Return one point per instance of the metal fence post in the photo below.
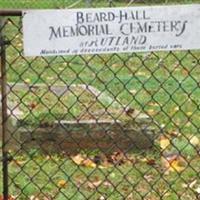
(4, 109)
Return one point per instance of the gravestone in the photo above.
(109, 129)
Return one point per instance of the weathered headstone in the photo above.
(108, 129)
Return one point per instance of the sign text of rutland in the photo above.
(91, 31)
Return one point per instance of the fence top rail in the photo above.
(10, 12)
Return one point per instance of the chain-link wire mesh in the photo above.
(117, 126)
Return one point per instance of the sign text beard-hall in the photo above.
(96, 24)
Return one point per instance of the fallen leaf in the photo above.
(143, 160)
(115, 65)
(48, 157)
(96, 183)
(130, 197)
(149, 177)
(153, 104)
(173, 162)
(19, 44)
(107, 184)
(130, 112)
(174, 134)
(27, 80)
(151, 162)
(93, 185)
(78, 159)
(190, 184)
(164, 142)
(133, 91)
(102, 161)
(117, 158)
(102, 198)
(198, 189)
(112, 175)
(19, 162)
(32, 105)
(189, 114)
(32, 197)
(141, 73)
(188, 124)
(65, 64)
(88, 163)
(10, 197)
(62, 183)
(50, 77)
(185, 72)
(151, 112)
(176, 108)
(194, 141)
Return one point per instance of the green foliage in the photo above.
(86, 3)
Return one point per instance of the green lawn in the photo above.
(164, 85)
(40, 176)
(83, 3)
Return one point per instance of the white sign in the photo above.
(111, 30)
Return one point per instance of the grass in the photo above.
(139, 180)
(82, 3)
(164, 85)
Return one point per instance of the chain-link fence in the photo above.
(116, 126)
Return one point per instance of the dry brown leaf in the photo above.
(130, 197)
(174, 134)
(96, 182)
(32, 105)
(93, 184)
(173, 162)
(80, 160)
(102, 161)
(185, 72)
(151, 162)
(11, 197)
(62, 183)
(117, 158)
(88, 163)
(19, 162)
